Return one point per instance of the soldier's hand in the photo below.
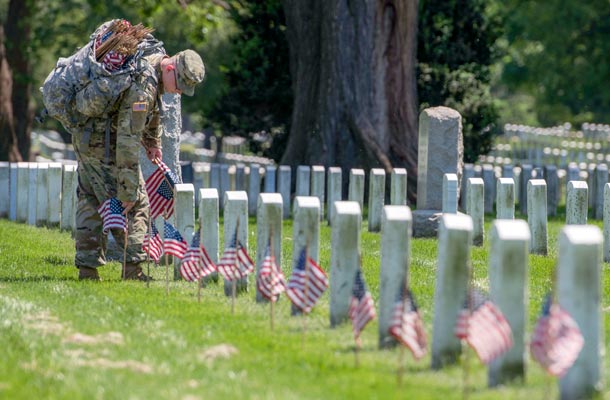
(154, 154)
(127, 205)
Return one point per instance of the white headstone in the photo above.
(208, 224)
(270, 172)
(376, 198)
(440, 150)
(607, 222)
(12, 209)
(334, 192)
(208, 221)
(452, 275)
(22, 191)
(601, 178)
(398, 187)
(317, 185)
(579, 292)
(206, 171)
(475, 192)
(468, 173)
(32, 192)
(283, 186)
(396, 231)
(508, 277)
(356, 186)
(268, 231)
(450, 193)
(303, 180)
(54, 192)
(306, 227)
(505, 198)
(537, 216)
(254, 188)
(577, 203)
(42, 197)
(345, 258)
(5, 173)
(489, 178)
(526, 175)
(185, 216)
(305, 231)
(69, 184)
(236, 210)
(552, 182)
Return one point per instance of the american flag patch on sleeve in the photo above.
(139, 106)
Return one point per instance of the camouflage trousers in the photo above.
(96, 183)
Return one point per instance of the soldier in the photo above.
(108, 162)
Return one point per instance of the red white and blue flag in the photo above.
(196, 263)
(173, 243)
(160, 189)
(153, 244)
(235, 262)
(483, 326)
(271, 282)
(111, 212)
(557, 340)
(305, 288)
(362, 307)
(407, 326)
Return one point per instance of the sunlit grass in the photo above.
(62, 338)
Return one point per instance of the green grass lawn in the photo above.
(62, 338)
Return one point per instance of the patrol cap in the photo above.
(189, 71)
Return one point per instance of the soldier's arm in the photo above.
(134, 110)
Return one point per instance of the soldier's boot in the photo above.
(88, 274)
(134, 272)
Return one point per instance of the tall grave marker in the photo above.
(441, 151)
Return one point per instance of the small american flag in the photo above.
(557, 341)
(484, 327)
(196, 263)
(271, 282)
(235, 262)
(362, 307)
(160, 189)
(407, 325)
(314, 284)
(111, 212)
(153, 245)
(173, 243)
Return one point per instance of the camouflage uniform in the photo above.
(108, 154)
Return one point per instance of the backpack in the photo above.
(80, 87)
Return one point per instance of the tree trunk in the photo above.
(353, 71)
(8, 139)
(16, 118)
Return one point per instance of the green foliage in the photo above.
(558, 53)
(258, 100)
(456, 46)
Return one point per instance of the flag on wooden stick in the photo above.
(196, 263)
(362, 307)
(160, 189)
(271, 282)
(557, 340)
(153, 244)
(304, 289)
(483, 326)
(407, 326)
(111, 212)
(173, 243)
(235, 262)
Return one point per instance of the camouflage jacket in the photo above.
(112, 143)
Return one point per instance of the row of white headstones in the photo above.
(578, 272)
